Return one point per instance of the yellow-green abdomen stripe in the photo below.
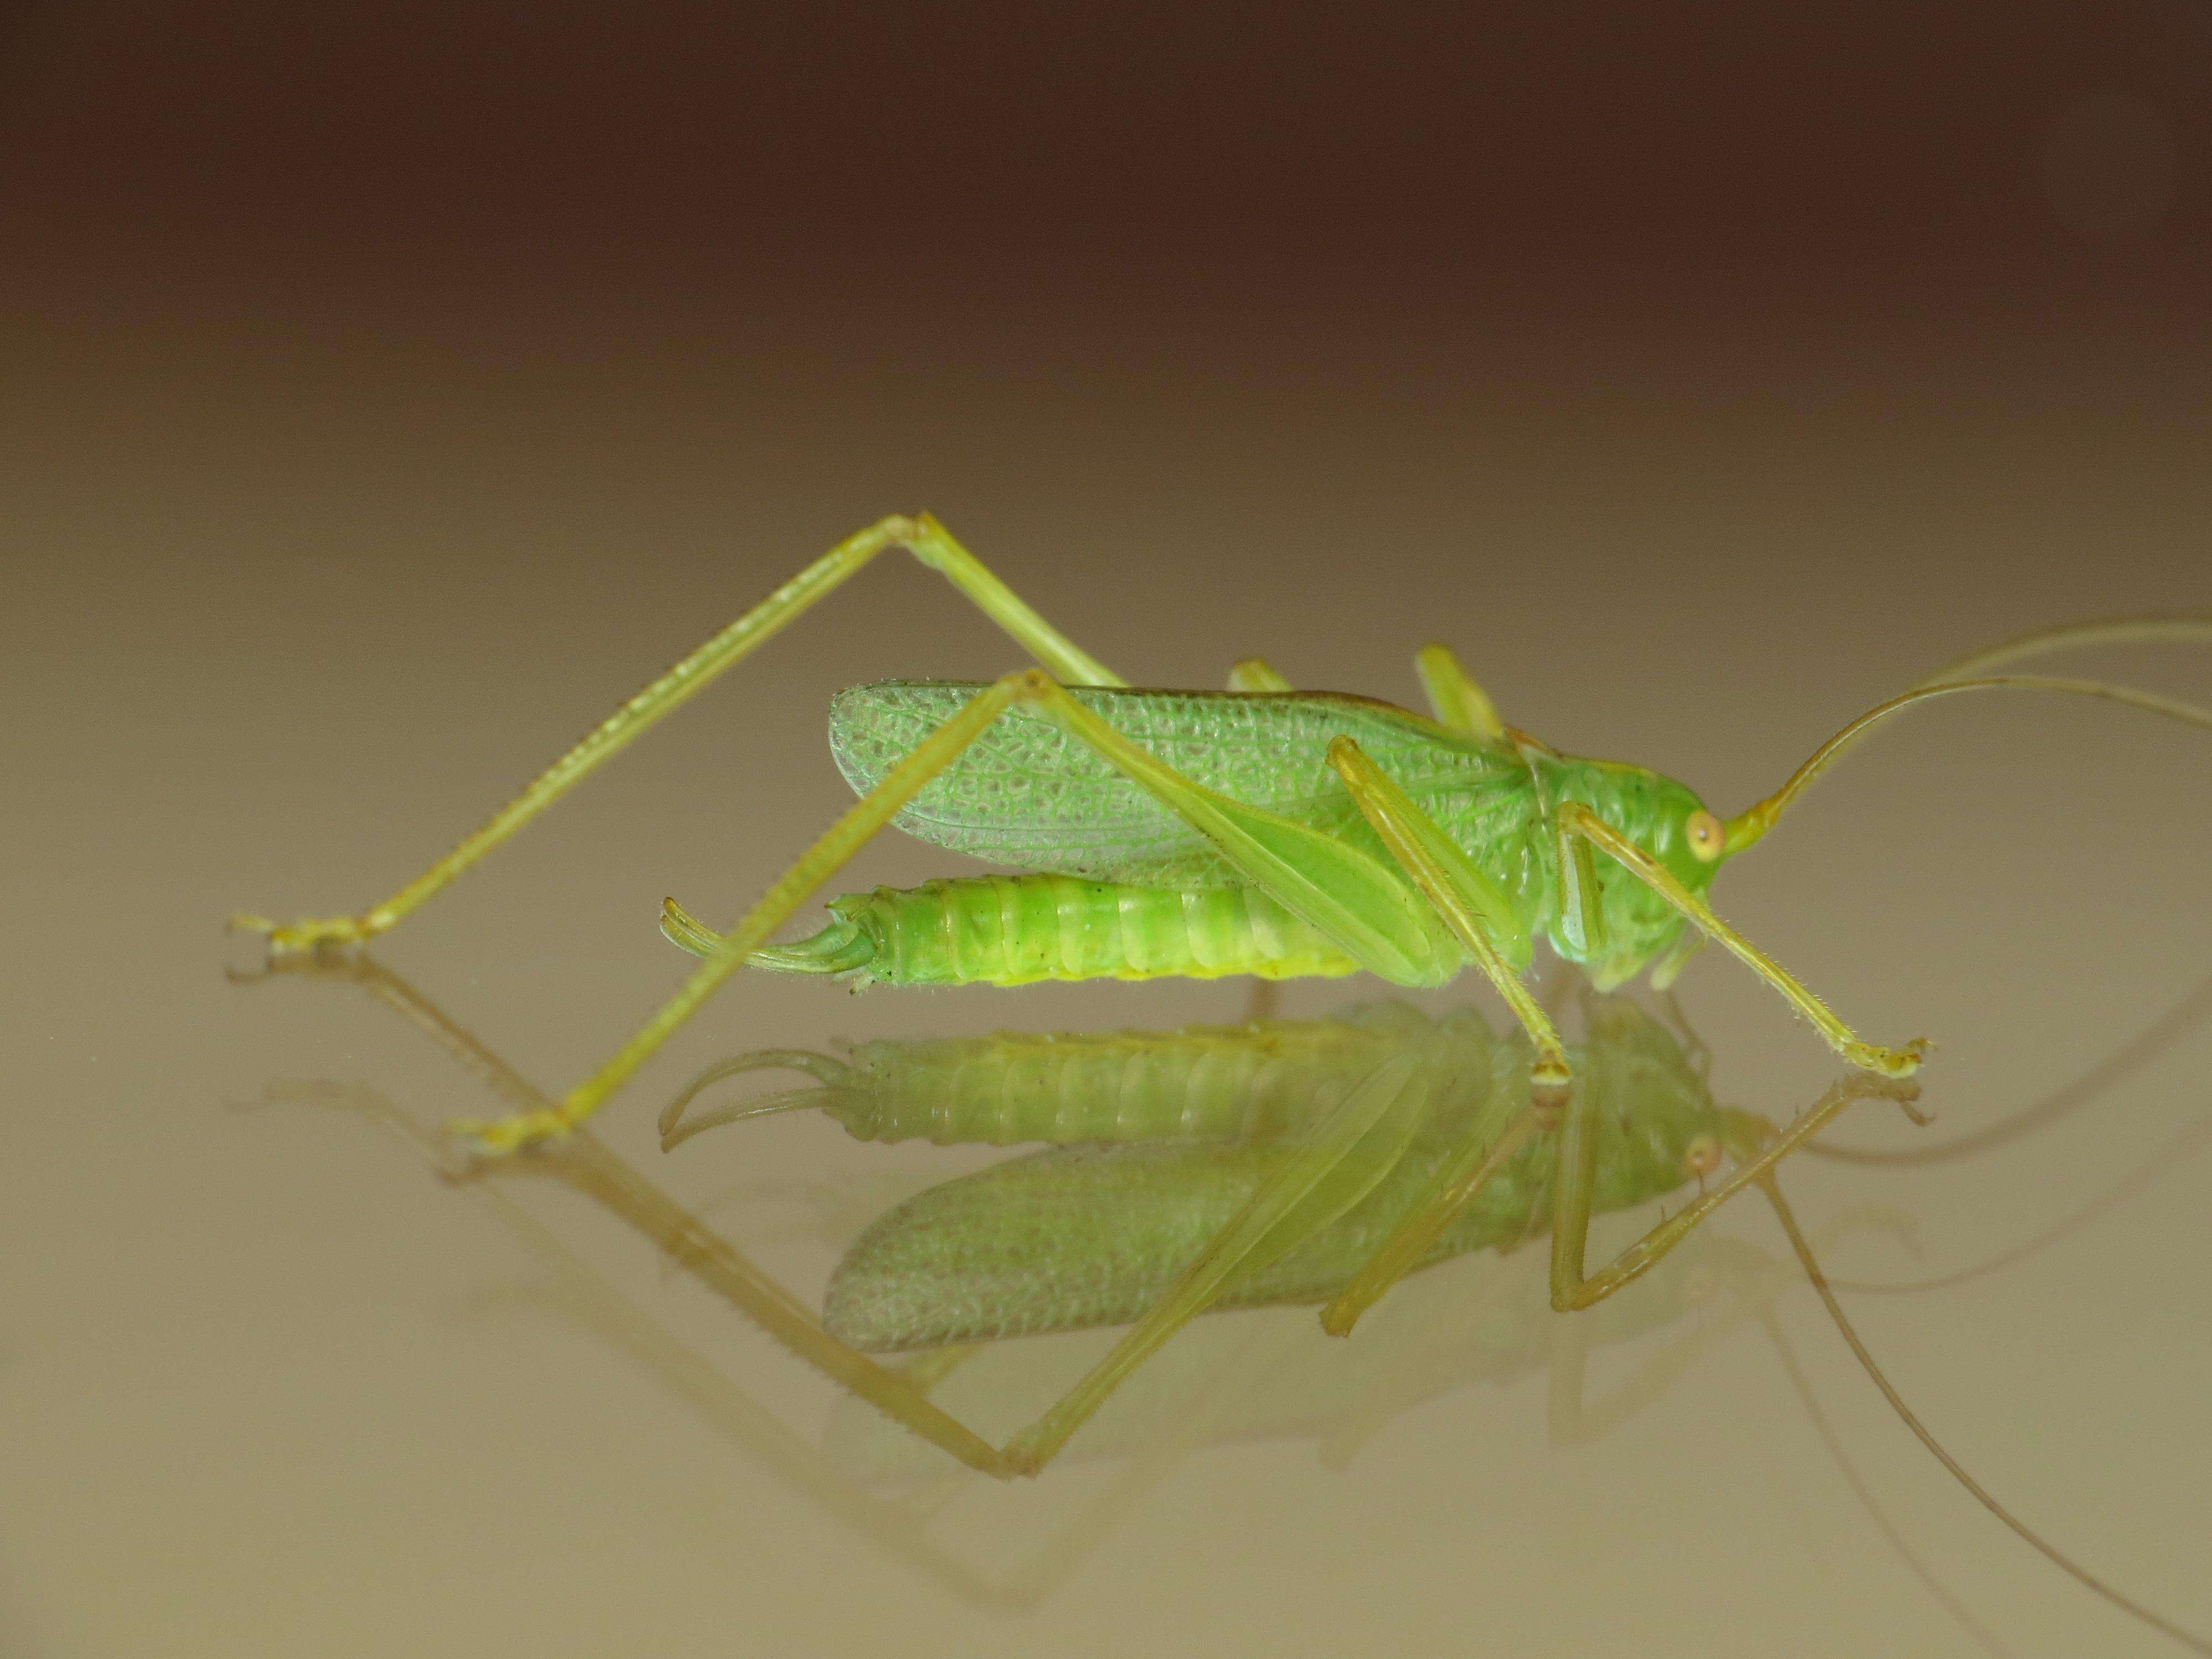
(1014, 930)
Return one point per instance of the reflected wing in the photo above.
(1029, 795)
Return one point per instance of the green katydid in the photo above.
(1259, 830)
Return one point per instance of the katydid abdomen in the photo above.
(1014, 930)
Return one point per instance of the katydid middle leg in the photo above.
(922, 536)
(1479, 915)
(1469, 901)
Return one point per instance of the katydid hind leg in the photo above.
(1363, 909)
(921, 535)
(863, 820)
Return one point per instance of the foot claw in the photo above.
(1339, 1316)
(1888, 1062)
(497, 1137)
(304, 936)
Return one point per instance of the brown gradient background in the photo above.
(384, 396)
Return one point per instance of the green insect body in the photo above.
(1126, 889)
(1014, 930)
(1086, 1235)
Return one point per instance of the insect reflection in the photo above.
(1157, 1140)
(1280, 1162)
(1157, 1144)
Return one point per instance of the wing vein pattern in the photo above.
(1030, 796)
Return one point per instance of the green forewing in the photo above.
(1030, 795)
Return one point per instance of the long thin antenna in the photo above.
(1747, 826)
(2185, 627)
(1797, 1241)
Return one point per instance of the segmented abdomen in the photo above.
(1255, 1082)
(1012, 930)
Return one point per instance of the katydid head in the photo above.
(1666, 822)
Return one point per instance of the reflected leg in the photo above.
(1499, 1131)
(1575, 1175)
(586, 1165)
(1337, 1162)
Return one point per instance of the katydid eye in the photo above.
(1706, 834)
